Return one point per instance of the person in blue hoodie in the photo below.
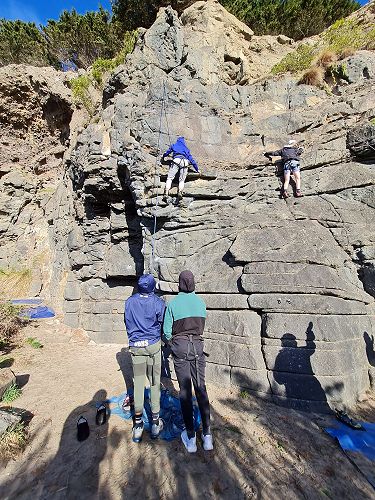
(181, 159)
(144, 314)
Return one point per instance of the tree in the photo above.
(82, 39)
(21, 42)
(294, 18)
(132, 14)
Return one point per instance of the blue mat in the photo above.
(27, 301)
(39, 312)
(355, 440)
(358, 446)
(170, 413)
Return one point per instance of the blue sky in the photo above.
(41, 10)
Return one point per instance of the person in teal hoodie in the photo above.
(183, 327)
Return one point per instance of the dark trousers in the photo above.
(190, 364)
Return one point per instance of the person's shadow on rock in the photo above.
(74, 471)
(294, 371)
(369, 348)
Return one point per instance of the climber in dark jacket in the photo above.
(183, 326)
(290, 155)
(144, 314)
(181, 159)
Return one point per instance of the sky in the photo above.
(39, 11)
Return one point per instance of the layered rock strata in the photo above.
(289, 284)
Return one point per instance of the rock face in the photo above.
(36, 113)
(289, 285)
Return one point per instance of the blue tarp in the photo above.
(27, 301)
(170, 413)
(38, 312)
(355, 440)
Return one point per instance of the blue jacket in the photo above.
(144, 314)
(180, 150)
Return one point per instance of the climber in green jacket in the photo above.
(183, 327)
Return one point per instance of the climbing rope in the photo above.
(163, 111)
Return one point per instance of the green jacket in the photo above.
(185, 315)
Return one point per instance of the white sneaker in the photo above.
(137, 433)
(208, 444)
(156, 429)
(190, 444)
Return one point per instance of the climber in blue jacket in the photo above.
(181, 159)
(144, 314)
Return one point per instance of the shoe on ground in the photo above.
(285, 195)
(137, 433)
(298, 193)
(156, 429)
(83, 429)
(207, 441)
(190, 444)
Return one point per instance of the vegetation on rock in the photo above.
(11, 394)
(341, 40)
(10, 323)
(12, 441)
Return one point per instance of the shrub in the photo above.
(11, 393)
(296, 61)
(102, 66)
(81, 92)
(337, 72)
(326, 58)
(12, 441)
(313, 76)
(347, 34)
(34, 343)
(346, 53)
(10, 323)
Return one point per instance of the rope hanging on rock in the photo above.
(156, 175)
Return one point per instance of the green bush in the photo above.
(344, 34)
(11, 393)
(296, 61)
(10, 323)
(102, 66)
(81, 92)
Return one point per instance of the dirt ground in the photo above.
(261, 450)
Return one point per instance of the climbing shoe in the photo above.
(190, 444)
(83, 429)
(101, 415)
(298, 193)
(285, 195)
(207, 442)
(156, 429)
(344, 417)
(137, 433)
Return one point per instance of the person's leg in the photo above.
(153, 375)
(173, 169)
(182, 179)
(286, 181)
(297, 178)
(182, 368)
(201, 391)
(139, 370)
